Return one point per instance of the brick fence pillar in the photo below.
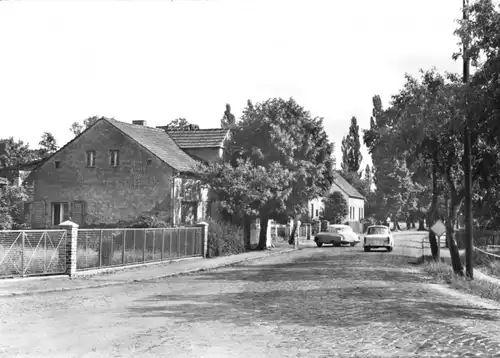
(71, 241)
(204, 237)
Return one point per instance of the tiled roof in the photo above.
(346, 187)
(199, 138)
(158, 142)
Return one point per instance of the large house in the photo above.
(355, 201)
(113, 172)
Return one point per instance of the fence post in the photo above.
(204, 237)
(71, 246)
(22, 253)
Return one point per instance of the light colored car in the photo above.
(337, 235)
(378, 236)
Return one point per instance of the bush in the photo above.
(147, 221)
(224, 239)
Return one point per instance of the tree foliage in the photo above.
(351, 149)
(47, 145)
(280, 158)
(181, 124)
(336, 208)
(11, 207)
(77, 128)
(17, 152)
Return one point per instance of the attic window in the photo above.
(114, 158)
(90, 158)
(149, 162)
(57, 164)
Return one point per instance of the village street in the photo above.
(315, 302)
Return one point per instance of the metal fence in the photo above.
(99, 248)
(32, 252)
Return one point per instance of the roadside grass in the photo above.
(442, 272)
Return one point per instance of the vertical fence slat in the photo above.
(170, 243)
(144, 246)
(185, 241)
(178, 242)
(162, 243)
(154, 239)
(123, 247)
(100, 249)
(22, 254)
(45, 253)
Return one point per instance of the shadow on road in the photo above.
(332, 291)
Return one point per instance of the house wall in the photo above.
(356, 206)
(208, 154)
(315, 208)
(110, 194)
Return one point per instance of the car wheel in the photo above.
(389, 249)
(319, 244)
(336, 245)
(353, 243)
(367, 249)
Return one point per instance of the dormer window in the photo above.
(114, 158)
(90, 158)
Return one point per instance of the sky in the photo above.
(64, 61)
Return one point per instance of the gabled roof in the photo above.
(24, 166)
(158, 142)
(199, 138)
(346, 187)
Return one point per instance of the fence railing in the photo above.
(32, 252)
(100, 248)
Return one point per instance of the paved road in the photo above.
(316, 302)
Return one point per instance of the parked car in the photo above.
(337, 235)
(378, 236)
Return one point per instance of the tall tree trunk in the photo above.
(293, 229)
(247, 227)
(435, 249)
(421, 223)
(452, 213)
(264, 219)
(396, 223)
(412, 224)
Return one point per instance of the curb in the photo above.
(117, 283)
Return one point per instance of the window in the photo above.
(60, 213)
(114, 158)
(57, 164)
(317, 212)
(149, 162)
(312, 210)
(91, 158)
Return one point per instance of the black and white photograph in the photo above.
(249, 178)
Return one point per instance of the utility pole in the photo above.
(469, 271)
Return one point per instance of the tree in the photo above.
(336, 208)
(78, 128)
(48, 145)
(17, 152)
(277, 138)
(228, 120)
(351, 153)
(11, 209)
(181, 124)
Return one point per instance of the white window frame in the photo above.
(90, 158)
(61, 212)
(114, 158)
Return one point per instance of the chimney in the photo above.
(139, 123)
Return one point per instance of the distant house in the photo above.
(355, 201)
(114, 172)
(205, 144)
